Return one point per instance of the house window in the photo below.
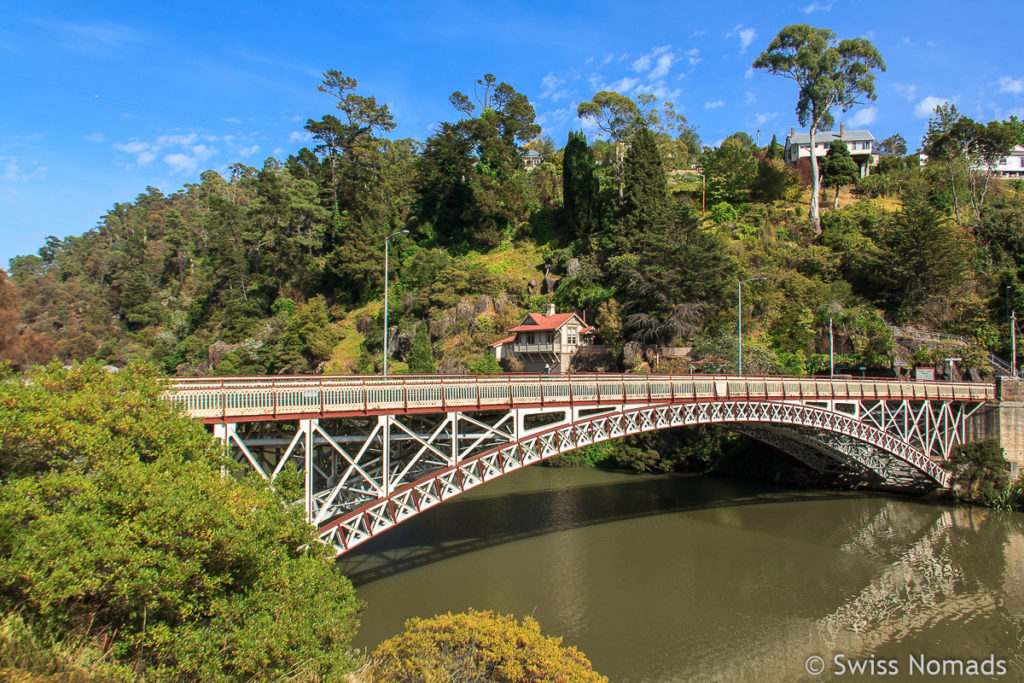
(529, 338)
(571, 337)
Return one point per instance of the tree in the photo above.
(645, 184)
(926, 256)
(829, 75)
(618, 117)
(119, 528)
(967, 147)
(838, 169)
(775, 150)
(579, 186)
(894, 144)
(979, 472)
(421, 354)
(478, 646)
(729, 170)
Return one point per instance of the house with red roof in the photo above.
(545, 342)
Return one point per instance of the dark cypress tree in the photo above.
(646, 189)
(775, 150)
(838, 168)
(421, 354)
(579, 186)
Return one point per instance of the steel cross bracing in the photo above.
(365, 476)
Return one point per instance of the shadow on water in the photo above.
(475, 522)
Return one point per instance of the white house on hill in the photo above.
(861, 144)
(1012, 165)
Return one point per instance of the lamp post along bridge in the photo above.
(374, 451)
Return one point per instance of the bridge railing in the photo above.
(269, 398)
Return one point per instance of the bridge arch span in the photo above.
(353, 527)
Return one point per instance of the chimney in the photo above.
(842, 130)
(551, 309)
(792, 131)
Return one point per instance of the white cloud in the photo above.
(749, 73)
(749, 97)
(300, 136)
(642, 63)
(181, 162)
(906, 91)
(96, 137)
(133, 147)
(765, 117)
(698, 33)
(819, 7)
(656, 63)
(12, 171)
(553, 87)
(1011, 85)
(746, 36)
(249, 151)
(624, 85)
(233, 119)
(664, 64)
(926, 107)
(864, 117)
(183, 152)
(714, 105)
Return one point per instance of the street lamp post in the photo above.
(739, 322)
(386, 240)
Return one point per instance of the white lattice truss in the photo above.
(430, 458)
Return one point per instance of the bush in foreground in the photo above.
(120, 533)
(478, 646)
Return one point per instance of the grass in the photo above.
(345, 354)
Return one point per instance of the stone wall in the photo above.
(1003, 421)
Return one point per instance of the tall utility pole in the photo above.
(1012, 317)
(831, 351)
(739, 320)
(386, 240)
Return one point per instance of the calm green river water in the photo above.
(679, 578)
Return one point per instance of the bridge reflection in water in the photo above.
(375, 452)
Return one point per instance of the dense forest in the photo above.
(279, 269)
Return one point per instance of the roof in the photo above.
(535, 322)
(506, 340)
(829, 136)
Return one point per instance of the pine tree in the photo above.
(838, 169)
(421, 355)
(775, 150)
(579, 186)
(646, 189)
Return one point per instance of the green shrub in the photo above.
(478, 646)
(118, 526)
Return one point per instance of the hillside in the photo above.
(280, 269)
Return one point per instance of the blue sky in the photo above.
(102, 99)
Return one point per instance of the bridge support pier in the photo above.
(1004, 422)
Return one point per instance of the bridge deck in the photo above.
(241, 399)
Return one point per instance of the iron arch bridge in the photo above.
(373, 452)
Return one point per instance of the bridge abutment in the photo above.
(1004, 422)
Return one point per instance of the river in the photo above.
(696, 578)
